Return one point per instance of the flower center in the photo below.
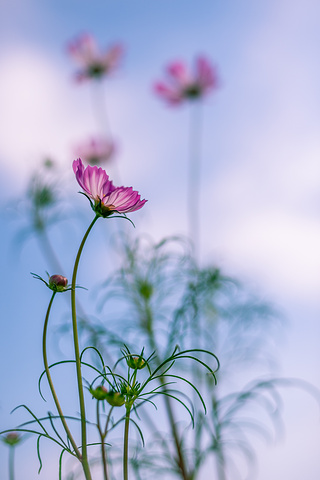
(96, 70)
(192, 91)
(102, 209)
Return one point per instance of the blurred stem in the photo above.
(53, 392)
(101, 112)
(167, 400)
(85, 463)
(126, 443)
(180, 460)
(220, 459)
(100, 108)
(194, 173)
(11, 462)
(48, 251)
(221, 466)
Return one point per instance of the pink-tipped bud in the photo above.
(115, 399)
(99, 393)
(136, 362)
(12, 439)
(58, 283)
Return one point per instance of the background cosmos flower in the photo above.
(185, 85)
(96, 150)
(92, 62)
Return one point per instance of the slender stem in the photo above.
(50, 255)
(85, 463)
(104, 459)
(107, 422)
(102, 438)
(126, 444)
(193, 191)
(53, 392)
(11, 463)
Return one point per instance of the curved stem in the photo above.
(193, 191)
(11, 463)
(53, 392)
(85, 463)
(126, 444)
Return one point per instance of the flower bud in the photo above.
(146, 290)
(115, 399)
(58, 283)
(136, 362)
(99, 393)
(12, 438)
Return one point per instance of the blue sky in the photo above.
(260, 173)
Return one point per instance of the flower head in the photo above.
(184, 85)
(92, 62)
(96, 150)
(104, 197)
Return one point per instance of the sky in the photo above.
(260, 178)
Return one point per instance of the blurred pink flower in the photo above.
(96, 150)
(184, 85)
(92, 62)
(107, 199)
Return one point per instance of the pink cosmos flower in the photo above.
(184, 85)
(92, 62)
(104, 197)
(96, 150)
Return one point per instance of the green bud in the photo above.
(115, 399)
(145, 290)
(136, 362)
(99, 393)
(12, 439)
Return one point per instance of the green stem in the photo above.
(53, 392)
(11, 463)
(126, 444)
(107, 422)
(85, 463)
(102, 438)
